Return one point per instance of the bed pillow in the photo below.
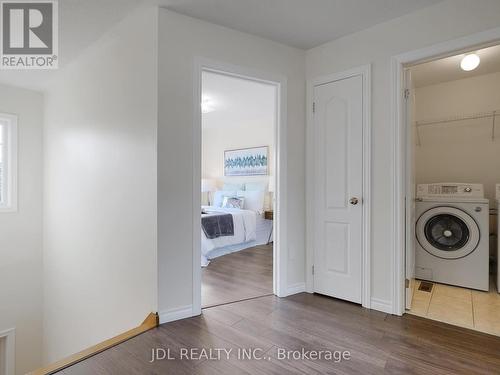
(233, 187)
(255, 186)
(233, 202)
(254, 200)
(219, 196)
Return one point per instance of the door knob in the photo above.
(354, 201)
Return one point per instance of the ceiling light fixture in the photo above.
(207, 105)
(470, 62)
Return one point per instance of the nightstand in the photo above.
(269, 215)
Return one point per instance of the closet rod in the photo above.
(473, 116)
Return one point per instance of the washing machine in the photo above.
(452, 234)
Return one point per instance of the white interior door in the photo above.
(409, 96)
(338, 148)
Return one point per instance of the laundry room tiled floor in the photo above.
(459, 306)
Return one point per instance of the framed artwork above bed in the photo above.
(246, 161)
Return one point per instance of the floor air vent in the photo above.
(425, 286)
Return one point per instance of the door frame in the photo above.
(365, 72)
(9, 335)
(280, 247)
(400, 146)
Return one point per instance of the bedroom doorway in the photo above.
(239, 117)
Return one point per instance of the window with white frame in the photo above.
(8, 162)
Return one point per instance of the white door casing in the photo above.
(280, 248)
(410, 189)
(338, 188)
(400, 147)
(7, 351)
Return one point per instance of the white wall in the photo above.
(21, 233)
(438, 23)
(243, 116)
(460, 151)
(100, 190)
(181, 39)
(216, 141)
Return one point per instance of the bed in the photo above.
(249, 229)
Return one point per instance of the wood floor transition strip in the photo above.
(150, 322)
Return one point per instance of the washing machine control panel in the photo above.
(451, 190)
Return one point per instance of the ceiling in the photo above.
(237, 103)
(299, 23)
(81, 22)
(448, 69)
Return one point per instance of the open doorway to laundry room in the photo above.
(238, 169)
(452, 187)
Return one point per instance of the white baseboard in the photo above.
(176, 314)
(382, 305)
(295, 288)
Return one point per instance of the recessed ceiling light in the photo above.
(470, 62)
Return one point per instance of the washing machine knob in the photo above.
(478, 209)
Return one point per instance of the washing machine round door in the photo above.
(447, 232)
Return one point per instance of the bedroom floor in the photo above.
(238, 276)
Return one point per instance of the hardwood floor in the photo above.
(378, 343)
(238, 276)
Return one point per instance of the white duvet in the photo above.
(245, 224)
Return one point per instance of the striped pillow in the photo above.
(233, 202)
